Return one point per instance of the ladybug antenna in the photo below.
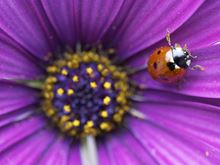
(194, 57)
(186, 49)
(168, 39)
(199, 67)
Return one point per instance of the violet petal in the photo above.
(15, 61)
(28, 151)
(22, 21)
(61, 16)
(90, 17)
(57, 153)
(191, 129)
(16, 132)
(124, 148)
(18, 115)
(14, 96)
(74, 154)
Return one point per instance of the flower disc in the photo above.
(85, 94)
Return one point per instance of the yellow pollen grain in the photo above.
(51, 79)
(67, 108)
(121, 112)
(52, 69)
(75, 63)
(61, 63)
(73, 132)
(48, 95)
(86, 58)
(121, 99)
(64, 72)
(104, 114)
(76, 123)
(95, 58)
(117, 117)
(48, 87)
(107, 85)
(64, 118)
(105, 126)
(90, 124)
(89, 70)
(69, 64)
(75, 78)
(106, 100)
(68, 125)
(70, 92)
(112, 69)
(60, 91)
(100, 67)
(50, 112)
(93, 84)
(105, 72)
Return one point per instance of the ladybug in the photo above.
(169, 64)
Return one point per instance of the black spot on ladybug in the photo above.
(159, 51)
(171, 66)
(155, 65)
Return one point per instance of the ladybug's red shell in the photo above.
(158, 69)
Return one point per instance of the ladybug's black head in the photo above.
(181, 58)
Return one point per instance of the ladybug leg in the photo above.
(199, 67)
(168, 39)
(192, 56)
(185, 47)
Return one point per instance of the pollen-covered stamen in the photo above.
(86, 94)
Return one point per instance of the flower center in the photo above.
(85, 94)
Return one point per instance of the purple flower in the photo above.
(165, 124)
